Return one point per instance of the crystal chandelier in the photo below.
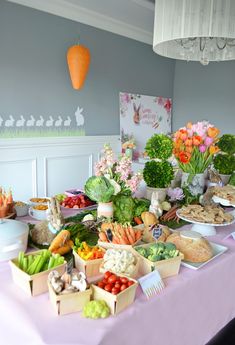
(195, 30)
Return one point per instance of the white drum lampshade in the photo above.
(195, 30)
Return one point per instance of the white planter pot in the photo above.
(161, 193)
(195, 183)
(224, 178)
(105, 209)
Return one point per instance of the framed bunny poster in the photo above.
(142, 116)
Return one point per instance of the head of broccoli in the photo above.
(154, 258)
(170, 246)
(142, 251)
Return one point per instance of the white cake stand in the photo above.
(205, 229)
(222, 201)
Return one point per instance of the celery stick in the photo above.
(40, 264)
(51, 262)
(25, 264)
(33, 266)
(59, 261)
(20, 259)
(30, 260)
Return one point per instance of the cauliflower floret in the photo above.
(130, 269)
(109, 265)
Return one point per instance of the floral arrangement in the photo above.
(129, 144)
(118, 172)
(195, 145)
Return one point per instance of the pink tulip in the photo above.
(208, 141)
(202, 148)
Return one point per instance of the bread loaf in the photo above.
(194, 247)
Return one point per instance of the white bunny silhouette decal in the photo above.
(10, 122)
(21, 122)
(30, 122)
(40, 122)
(58, 122)
(67, 122)
(1, 121)
(50, 122)
(79, 117)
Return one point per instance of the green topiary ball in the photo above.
(227, 143)
(224, 164)
(158, 174)
(159, 146)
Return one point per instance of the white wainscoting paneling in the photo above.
(47, 166)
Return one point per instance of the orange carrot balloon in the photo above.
(78, 59)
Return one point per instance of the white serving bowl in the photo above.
(37, 214)
(21, 210)
(13, 238)
(39, 201)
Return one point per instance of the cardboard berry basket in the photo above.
(69, 303)
(166, 268)
(118, 302)
(35, 284)
(91, 268)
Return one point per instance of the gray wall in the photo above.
(205, 92)
(34, 77)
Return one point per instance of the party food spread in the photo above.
(194, 247)
(207, 214)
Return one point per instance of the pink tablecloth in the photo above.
(194, 306)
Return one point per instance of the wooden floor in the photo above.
(226, 336)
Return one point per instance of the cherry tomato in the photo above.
(124, 280)
(101, 284)
(112, 279)
(107, 274)
(117, 285)
(108, 287)
(123, 287)
(105, 281)
(130, 283)
(115, 291)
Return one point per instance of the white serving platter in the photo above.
(222, 201)
(205, 229)
(217, 251)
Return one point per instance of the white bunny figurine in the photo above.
(155, 207)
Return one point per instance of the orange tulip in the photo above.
(188, 142)
(213, 149)
(213, 132)
(189, 125)
(189, 149)
(178, 143)
(197, 140)
(184, 157)
(177, 134)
